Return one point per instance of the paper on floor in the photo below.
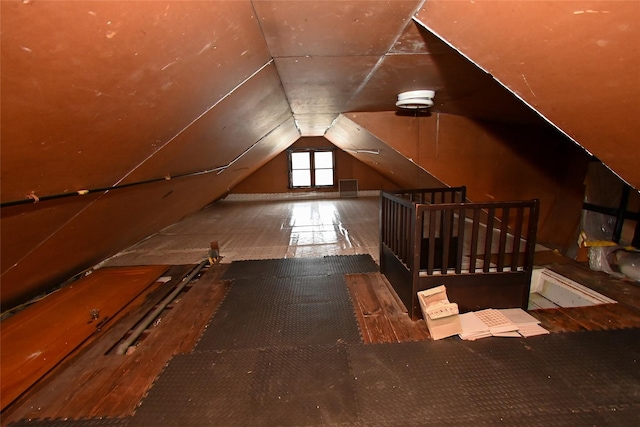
(511, 322)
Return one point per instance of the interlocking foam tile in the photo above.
(308, 385)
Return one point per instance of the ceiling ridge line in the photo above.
(215, 104)
(382, 57)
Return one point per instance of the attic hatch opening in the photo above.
(552, 290)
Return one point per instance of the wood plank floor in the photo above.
(45, 333)
(98, 383)
(383, 319)
(625, 313)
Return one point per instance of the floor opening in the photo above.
(552, 290)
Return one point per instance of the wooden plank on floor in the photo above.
(604, 316)
(177, 332)
(380, 328)
(79, 390)
(42, 335)
(386, 300)
(49, 396)
(365, 295)
(556, 320)
(380, 316)
(352, 287)
(591, 318)
(406, 329)
(623, 315)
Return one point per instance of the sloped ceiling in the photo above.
(157, 108)
(576, 62)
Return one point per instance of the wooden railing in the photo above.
(397, 223)
(434, 195)
(398, 217)
(476, 237)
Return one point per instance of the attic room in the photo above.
(166, 261)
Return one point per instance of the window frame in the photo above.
(312, 167)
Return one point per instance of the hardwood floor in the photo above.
(95, 382)
(264, 229)
(625, 313)
(381, 317)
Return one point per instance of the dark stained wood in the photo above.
(556, 320)
(379, 328)
(473, 290)
(591, 318)
(550, 257)
(381, 315)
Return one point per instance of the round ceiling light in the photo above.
(415, 99)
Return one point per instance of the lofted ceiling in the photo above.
(156, 108)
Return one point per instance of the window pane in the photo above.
(301, 160)
(301, 178)
(324, 176)
(323, 159)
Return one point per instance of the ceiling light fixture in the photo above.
(415, 99)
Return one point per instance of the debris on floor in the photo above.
(440, 315)
(443, 319)
(510, 322)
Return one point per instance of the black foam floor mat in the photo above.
(287, 351)
(568, 377)
(292, 267)
(351, 264)
(307, 385)
(254, 269)
(283, 312)
(300, 267)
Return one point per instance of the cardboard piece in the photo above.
(440, 315)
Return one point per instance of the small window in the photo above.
(311, 168)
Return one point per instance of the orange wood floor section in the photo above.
(382, 319)
(97, 383)
(42, 335)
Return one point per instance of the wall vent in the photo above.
(348, 187)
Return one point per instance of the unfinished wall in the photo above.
(495, 162)
(273, 177)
